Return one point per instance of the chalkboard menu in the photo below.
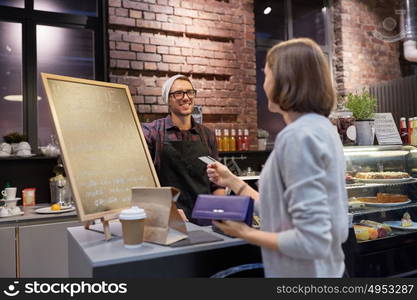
(102, 144)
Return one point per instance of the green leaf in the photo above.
(362, 105)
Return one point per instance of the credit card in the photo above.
(207, 159)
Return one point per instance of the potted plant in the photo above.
(14, 138)
(262, 138)
(363, 106)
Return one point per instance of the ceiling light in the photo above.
(267, 10)
(16, 98)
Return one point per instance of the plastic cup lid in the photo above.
(133, 213)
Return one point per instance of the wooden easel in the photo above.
(106, 227)
(67, 101)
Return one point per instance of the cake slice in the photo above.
(406, 220)
(390, 198)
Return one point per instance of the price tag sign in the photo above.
(386, 130)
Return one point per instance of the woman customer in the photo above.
(302, 198)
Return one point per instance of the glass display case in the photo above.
(382, 189)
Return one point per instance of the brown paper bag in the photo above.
(163, 223)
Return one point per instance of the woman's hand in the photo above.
(252, 235)
(182, 214)
(237, 229)
(220, 174)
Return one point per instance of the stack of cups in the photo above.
(133, 224)
(9, 193)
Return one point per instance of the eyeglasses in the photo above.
(179, 95)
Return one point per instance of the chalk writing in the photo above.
(103, 151)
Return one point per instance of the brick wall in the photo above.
(211, 41)
(359, 58)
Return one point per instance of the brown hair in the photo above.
(302, 77)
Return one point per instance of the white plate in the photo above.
(19, 214)
(387, 204)
(397, 225)
(395, 180)
(10, 200)
(47, 210)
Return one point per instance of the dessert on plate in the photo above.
(384, 198)
(390, 198)
(382, 175)
(349, 179)
(406, 220)
(382, 229)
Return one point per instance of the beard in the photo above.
(183, 109)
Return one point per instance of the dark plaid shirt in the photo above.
(155, 136)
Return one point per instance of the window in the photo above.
(87, 8)
(64, 37)
(13, 3)
(11, 78)
(277, 21)
(308, 20)
(270, 21)
(71, 55)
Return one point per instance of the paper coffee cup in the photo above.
(133, 224)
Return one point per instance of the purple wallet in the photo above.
(235, 208)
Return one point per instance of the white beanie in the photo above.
(168, 84)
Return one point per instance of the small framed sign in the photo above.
(385, 129)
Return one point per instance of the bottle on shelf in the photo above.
(239, 140)
(218, 134)
(409, 130)
(232, 140)
(414, 134)
(245, 140)
(403, 131)
(225, 140)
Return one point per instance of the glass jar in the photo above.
(344, 121)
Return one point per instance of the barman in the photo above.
(175, 143)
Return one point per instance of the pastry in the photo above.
(384, 198)
(366, 199)
(349, 179)
(356, 204)
(390, 198)
(382, 229)
(360, 232)
(406, 220)
(382, 175)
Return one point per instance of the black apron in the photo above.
(181, 168)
